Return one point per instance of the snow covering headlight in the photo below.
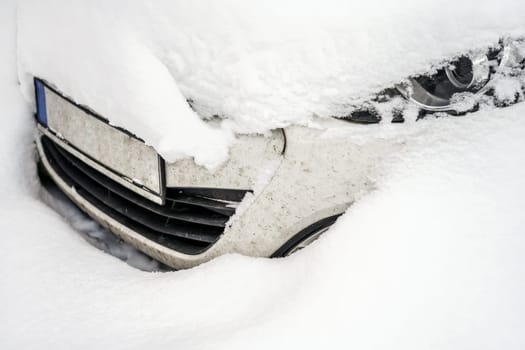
(467, 74)
(494, 76)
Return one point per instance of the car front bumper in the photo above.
(315, 179)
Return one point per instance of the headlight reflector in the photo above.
(467, 74)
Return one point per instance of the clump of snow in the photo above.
(260, 64)
(464, 101)
(508, 90)
(509, 82)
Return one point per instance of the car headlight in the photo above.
(456, 87)
(465, 75)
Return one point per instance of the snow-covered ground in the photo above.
(431, 259)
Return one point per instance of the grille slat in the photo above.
(172, 242)
(210, 193)
(178, 213)
(188, 223)
(216, 206)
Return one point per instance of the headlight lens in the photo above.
(466, 75)
(456, 87)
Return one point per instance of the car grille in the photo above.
(190, 221)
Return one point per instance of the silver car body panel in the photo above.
(250, 159)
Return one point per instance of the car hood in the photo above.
(256, 65)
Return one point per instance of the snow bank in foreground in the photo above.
(95, 234)
(261, 64)
(433, 259)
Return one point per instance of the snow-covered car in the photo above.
(276, 193)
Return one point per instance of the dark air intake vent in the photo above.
(190, 222)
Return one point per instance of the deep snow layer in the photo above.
(261, 64)
(432, 259)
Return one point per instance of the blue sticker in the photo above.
(41, 108)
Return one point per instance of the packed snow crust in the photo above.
(432, 259)
(258, 64)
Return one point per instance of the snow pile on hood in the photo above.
(260, 64)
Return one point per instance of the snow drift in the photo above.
(259, 64)
(432, 259)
